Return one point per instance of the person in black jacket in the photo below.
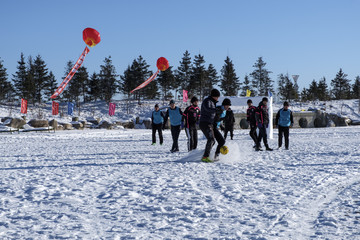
(191, 117)
(250, 117)
(229, 122)
(208, 118)
(262, 120)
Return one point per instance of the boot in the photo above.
(268, 148)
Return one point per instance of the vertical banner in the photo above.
(70, 108)
(23, 106)
(112, 109)
(71, 73)
(55, 108)
(185, 96)
(271, 128)
(248, 93)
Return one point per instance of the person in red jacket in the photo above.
(191, 118)
(250, 117)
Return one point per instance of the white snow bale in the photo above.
(15, 123)
(38, 123)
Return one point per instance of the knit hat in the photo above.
(265, 99)
(156, 105)
(172, 102)
(286, 104)
(226, 102)
(194, 99)
(249, 101)
(215, 93)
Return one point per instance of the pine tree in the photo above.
(211, 80)
(30, 84)
(356, 88)
(246, 86)
(322, 90)
(166, 80)
(94, 89)
(230, 83)
(40, 78)
(313, 91)
(68, 93)
(286, 88)
(198, 76)
(151, 91)
(19, 79)
(127, 81)
(304, 95)
(108, 79)
(6, 88)
(50, 86)
(261, 80)
(183, 73)
(341, 86)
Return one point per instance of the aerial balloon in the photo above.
(162, 64)
(91, 37)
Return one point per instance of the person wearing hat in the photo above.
(229, 119)
(250, 117)
(284, 120)
(176, 122)
(262, 121)
(208, 125)
(157, 120)
(191, 117)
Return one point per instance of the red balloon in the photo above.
(162, 64)
(91, 37)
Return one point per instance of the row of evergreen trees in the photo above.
(34, 82)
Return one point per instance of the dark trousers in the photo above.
(157, 127)
(263, 136)
(253, 134)
(211, 133)
(229, 129)
(175, 132)
(192, 135)
(284, 131)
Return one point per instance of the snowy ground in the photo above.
(99, 184)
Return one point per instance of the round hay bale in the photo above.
(303, 122)
(244, 124)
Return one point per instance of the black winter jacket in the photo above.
(208, 110)
(229, 118)
(262, 114)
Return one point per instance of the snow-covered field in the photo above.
(99, 184)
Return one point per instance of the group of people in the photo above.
(211, 119)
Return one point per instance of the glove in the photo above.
(276, 126)
(182, 125)
(222, 127)
(291, 125)
(267, 125)
(163, 127)
(260, 125)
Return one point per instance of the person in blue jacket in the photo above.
(176, 122)
(284, 120)
(157, 120)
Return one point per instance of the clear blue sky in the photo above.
(312, 38)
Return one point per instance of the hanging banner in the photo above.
(248, 93)
(71, 73)
(185, 96)
(112, 109)
(146, 82)
(23, 106)
(55, 108)
(70, 108)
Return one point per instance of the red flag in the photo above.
(71, 73)
(24, 106)
(146, 82)
(185, 96)
(112, 109)
(55, 108)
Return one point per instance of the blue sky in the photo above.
(310, 38)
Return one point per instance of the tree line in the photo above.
(33, 81)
